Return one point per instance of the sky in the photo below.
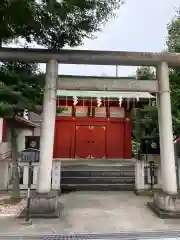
(140, 25)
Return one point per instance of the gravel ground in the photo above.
(10, 209)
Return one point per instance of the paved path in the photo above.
(95, 212)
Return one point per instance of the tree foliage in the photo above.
(145, 119)
(173, 38)
(55, 23)
(52, 24)
(145, 73)
(173, 45)
(20, 89)
(148, 120)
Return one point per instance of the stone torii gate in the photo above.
(161, 61)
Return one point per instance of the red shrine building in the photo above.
(95, 128)
(90, 127)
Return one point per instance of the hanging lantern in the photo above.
(99, 102)
(75, 100)
(120, 101)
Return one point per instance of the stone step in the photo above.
(98, 161)
(97, 173)
(99, 165)
(115, 169)
(98, 168)
(98, 180)
(98, 187)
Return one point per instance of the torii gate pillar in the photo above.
(165, 203)
(45, 202)
(168, 168)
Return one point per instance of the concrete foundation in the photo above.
(145, 192)
(44, 206)
(165, 205)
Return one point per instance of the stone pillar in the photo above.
(165, 203)
(168, 168)
(47, 130)
(56, 176)
(44, 202)
(139, 177)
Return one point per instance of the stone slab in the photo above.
(147, 192)
(165, 205)
(97, 187)
(143, 192)
(95, 212)
(166, 201)
(44, 206)
(162, 213)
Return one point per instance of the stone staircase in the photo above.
(98, 175)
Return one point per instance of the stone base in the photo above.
(165, 205)
(146, 192)
(43, 206)
(143, 192)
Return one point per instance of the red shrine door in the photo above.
(82, 142)
(98, 147)
(90, 142)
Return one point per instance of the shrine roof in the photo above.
(23, 122)
(108, 94)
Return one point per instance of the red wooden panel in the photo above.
(98, 143)
(83, 142)
(62, 144)
(115, 140)
(114, 143)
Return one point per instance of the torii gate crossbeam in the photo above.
(91, 57)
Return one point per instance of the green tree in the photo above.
(173, 38)
(145, 119)
(51, 24)
(54, 23)
(21, 88)
(173, 45)
(145, 73)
